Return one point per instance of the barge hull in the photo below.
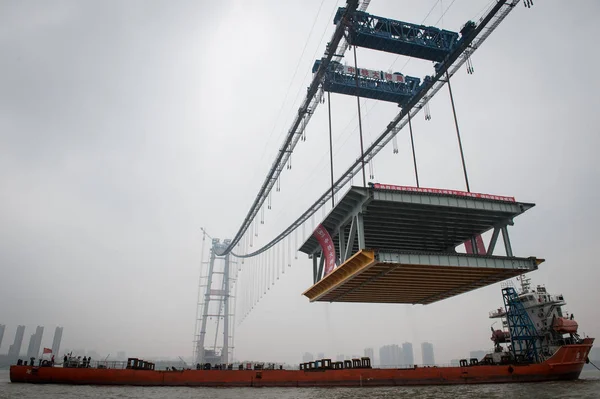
(566, 364)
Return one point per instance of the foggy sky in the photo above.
(127, 126)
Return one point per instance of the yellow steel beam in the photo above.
(354, 266)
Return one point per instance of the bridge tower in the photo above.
(213, 339)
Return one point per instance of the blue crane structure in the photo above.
(398, 37)
(396, 88)
(523, 334)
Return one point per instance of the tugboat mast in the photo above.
(525, 283)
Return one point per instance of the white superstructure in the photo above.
(551, 326)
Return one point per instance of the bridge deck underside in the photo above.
(415, 278)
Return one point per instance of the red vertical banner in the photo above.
(480, 245)
(324, 239)
(469, 246)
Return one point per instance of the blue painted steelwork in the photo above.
(465, 32)
(338, 81)
(378, 33)
(523, 334)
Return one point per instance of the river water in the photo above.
(588, 386)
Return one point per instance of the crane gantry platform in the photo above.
(398, 37)
(377, 85)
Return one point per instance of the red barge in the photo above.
(566, 364)
(537, 343)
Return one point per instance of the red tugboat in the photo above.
(540, 344)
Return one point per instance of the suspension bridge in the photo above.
(376, 242)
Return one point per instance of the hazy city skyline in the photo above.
(127, 126)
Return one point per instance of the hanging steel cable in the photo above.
(449, 67)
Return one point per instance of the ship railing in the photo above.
(116, 364)
(556, 298)
(108, 364)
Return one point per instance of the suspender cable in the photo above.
(296, 244)
(254, 275)
(412, 143)
(260, 277)
(282, 256)
(362, 150)
(330, 149)
(289, 251)
(462, 156)
(264, 273)
(273, 266)
(277, 259)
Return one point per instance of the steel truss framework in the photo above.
(522, 332)
(378, 33)
(399, 246)
(388, 220)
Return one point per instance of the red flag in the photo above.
(47, 350)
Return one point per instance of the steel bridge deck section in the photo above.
(414, 278)
(414, 221)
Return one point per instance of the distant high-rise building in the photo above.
(35, 342)
(39, 331)
(454, 362)
(370, 353)
(15, 348)
(56, 341)
(427, 353)
(477, 354)
(383, 356)
(320, 355)
(30, 346)
(307, 357)
(2, 327)
(407, 354)
(390, 356)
